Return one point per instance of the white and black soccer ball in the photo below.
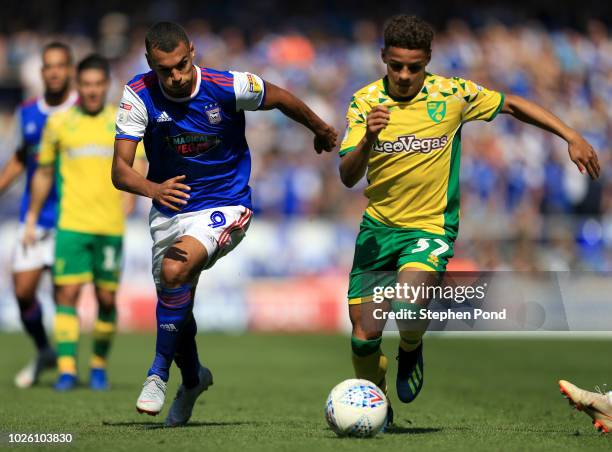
(356, 408)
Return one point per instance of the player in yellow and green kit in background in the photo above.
(405, 131)
(77, 144)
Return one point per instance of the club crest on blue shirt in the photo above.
(213, 112)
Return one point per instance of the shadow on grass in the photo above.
(509, 429)
(396, 430)
(155, 425)
(83, 386)
(534, 429)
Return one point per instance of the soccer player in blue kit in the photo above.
(29, 263)
(192, 122)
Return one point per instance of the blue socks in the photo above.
(31, 317)
(186, 357)
(173, 310)
(176, 329)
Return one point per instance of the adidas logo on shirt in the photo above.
(163, 117)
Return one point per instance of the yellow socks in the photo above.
(66, 331)
(104, 330)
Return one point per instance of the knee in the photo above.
(106, 300)
(361, 330)
(25, 296)
(361, 334)
(173, 273)
(66, 295)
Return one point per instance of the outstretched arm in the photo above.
(294, 108)
(126, 178)
(580, 151)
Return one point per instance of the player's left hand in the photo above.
(325, 139)
(583, 155)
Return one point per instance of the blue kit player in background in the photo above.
(192, 122)
(30, 263)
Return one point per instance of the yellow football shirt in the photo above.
(413, 168)
(81, 147)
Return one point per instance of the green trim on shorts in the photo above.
(381, 251)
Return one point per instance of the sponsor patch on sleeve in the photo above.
(254, 85)
(123, 113)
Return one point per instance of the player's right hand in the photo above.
(377, 120)
(171, 193)
(584, 157)
(325, 140)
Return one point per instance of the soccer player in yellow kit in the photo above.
(405, 131)
(78, 144)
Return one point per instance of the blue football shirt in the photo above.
(201, 136)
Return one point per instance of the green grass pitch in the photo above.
(269, 393)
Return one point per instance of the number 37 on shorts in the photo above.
(380, 248)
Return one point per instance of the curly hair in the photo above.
(408, 32)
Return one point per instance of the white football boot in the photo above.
(152, 396)
(28, 376)
(185, 399)
(596, 404)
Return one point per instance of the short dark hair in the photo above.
(408, 32)
(94, 61)
(57, 45)
(165, 36)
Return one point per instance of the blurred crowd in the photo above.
(524, 205)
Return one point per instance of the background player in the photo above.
(29, 264)
(405, 129)
(192, 121)
(90, 220)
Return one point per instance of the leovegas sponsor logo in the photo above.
(410, 143)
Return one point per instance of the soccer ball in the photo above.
(356, 408)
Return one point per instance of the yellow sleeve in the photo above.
(356, 124)
(49, 141)
(481, 103)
